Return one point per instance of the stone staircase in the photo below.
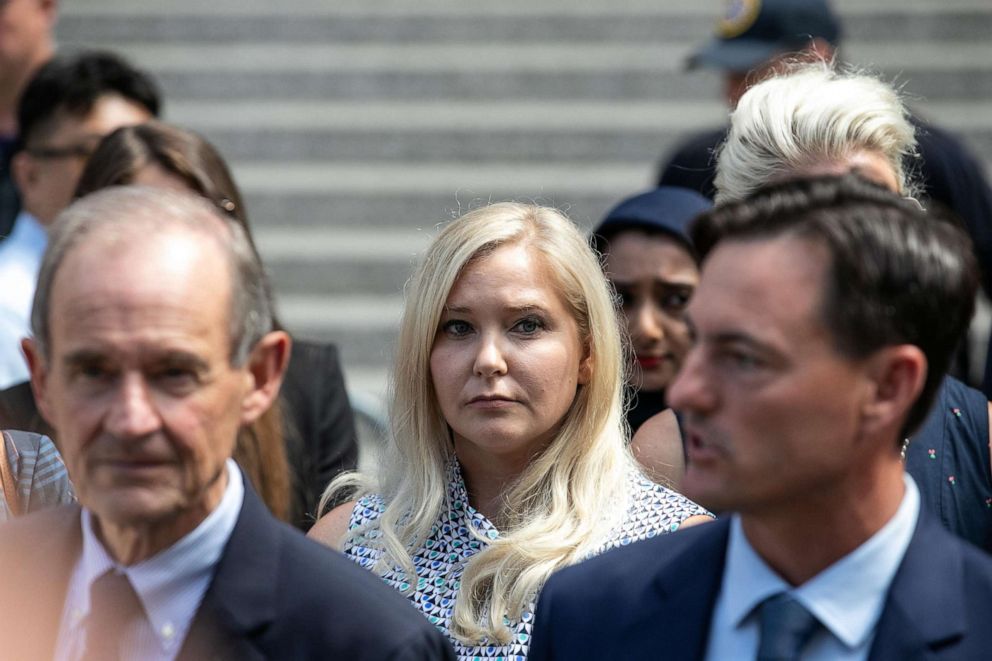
(355, 127)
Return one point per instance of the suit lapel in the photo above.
(688, 585)
(924, 608)
(240, 602)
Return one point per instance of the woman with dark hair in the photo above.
(304, 440)
(649, 260)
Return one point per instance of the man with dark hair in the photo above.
(65, 110)
(153, 345)
(826, 313)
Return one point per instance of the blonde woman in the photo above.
(508, 458)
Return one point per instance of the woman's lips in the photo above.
(491, 402)
(651, 362)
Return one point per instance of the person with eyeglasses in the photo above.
(66, 109)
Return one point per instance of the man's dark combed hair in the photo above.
(74, 84)
(898, 275)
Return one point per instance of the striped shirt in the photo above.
(41, 477)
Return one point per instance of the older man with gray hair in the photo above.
(153, 345)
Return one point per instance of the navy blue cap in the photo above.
(753, 31)
(667, 209)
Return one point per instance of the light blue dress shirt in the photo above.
(170, 584)
(20, 259)
(847, 597)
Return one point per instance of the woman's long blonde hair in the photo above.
(561, 508)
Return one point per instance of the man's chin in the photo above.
(134, 506)
(703, 490)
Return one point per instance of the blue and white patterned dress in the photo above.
(440, 561)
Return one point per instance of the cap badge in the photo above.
(738, 17)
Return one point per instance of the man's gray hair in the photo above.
(808, 116)
(144, 213)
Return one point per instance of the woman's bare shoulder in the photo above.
(657, 446)
(331, 528)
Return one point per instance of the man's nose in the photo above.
(692, 391)
(133, 412)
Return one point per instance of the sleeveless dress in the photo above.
(439, 563)
(949, 459)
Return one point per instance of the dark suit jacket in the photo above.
(655, 599)
(275, 595)
(319, 427)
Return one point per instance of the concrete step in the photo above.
(484, 146)
(386, 8)
(885, 24)
(360, 195)
(455, 115)
(301, 212)
(446, 146)
(972, 83)
(401, 8)
(207, 84)
(363, 327)
(341, 28)
(496, 57)
(372, 276)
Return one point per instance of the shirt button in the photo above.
(168, 631)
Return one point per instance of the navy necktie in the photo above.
(786, 626)
(113, 604)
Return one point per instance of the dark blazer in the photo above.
(319, 427)
(275, 595)
(655, 599)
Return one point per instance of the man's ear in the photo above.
(51, 9)
(22, 169)
(38, 367)
(266, 367)
(897, 374)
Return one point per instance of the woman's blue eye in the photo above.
(529, 325)
(456, 327)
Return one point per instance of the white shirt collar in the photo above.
(170, 584)
(847, 597)
(29, 230)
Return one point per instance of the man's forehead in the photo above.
(175, 268)
(761, 280)
(141, 303)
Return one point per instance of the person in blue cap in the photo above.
(649, 259)
(751, 40)
(756, 38)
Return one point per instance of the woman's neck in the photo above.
(487, 478)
